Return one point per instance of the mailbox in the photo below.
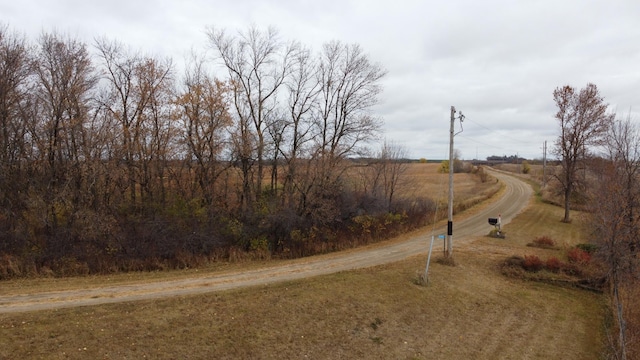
(493, 221)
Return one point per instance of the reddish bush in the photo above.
(532, 263)
(554, 264)
(578, 256)
(544, 241)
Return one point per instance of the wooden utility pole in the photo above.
(450, 218)
(449, 252)
(544, 165)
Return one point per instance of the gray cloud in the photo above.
(497, 61)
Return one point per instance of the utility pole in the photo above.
(544, 165)
(449, 249)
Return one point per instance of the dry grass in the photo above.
(545, 220)
(467, 311)
(425, 180)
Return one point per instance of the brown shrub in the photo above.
(632, 320)
(69, 266)
(578, 256)
(9, 266)
(512, 267)
(532, 263)
(573, 269)
(515, 261)
(554, 264)
(544, 242)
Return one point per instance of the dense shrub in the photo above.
(418, 210)
(9, 266)
(578, 256)
(68, 266)
(544, 242)
(459, 166)
(512, 267)
(573, 269)
(632, 320)
(554, 264)
(482, 174)
(590, 248)
(532, 263)
(517, 266)
(514, 260)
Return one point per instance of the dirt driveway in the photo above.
(514, 199)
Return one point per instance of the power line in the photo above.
(505, 136)
(482, 126)
(481, 143)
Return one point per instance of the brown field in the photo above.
(424, 180)
(467, 311)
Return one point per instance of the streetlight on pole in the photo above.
(449, 249)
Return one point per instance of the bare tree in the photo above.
(121, 103)
(94, 155)
(303, 88)
(205, 117)
(392, 168)
(258, 64)
(15, 59)
(382, 176)
(14, 74)
(65, 78)
(349, 87)
(135, 85)
(615, 201)
(583, 121)
(154, 80)
(276, 131)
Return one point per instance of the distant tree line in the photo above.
(108, 158)
(512, 159)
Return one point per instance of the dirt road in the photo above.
(514, 199)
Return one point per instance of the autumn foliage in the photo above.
(532, 263)
(112, 161)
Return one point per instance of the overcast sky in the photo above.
(496, 61)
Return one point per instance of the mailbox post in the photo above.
(497, 223)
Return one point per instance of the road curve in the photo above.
(514, 199)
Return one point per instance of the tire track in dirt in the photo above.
(515, 197)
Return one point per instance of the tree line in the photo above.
(600, 161)
(109, 158)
